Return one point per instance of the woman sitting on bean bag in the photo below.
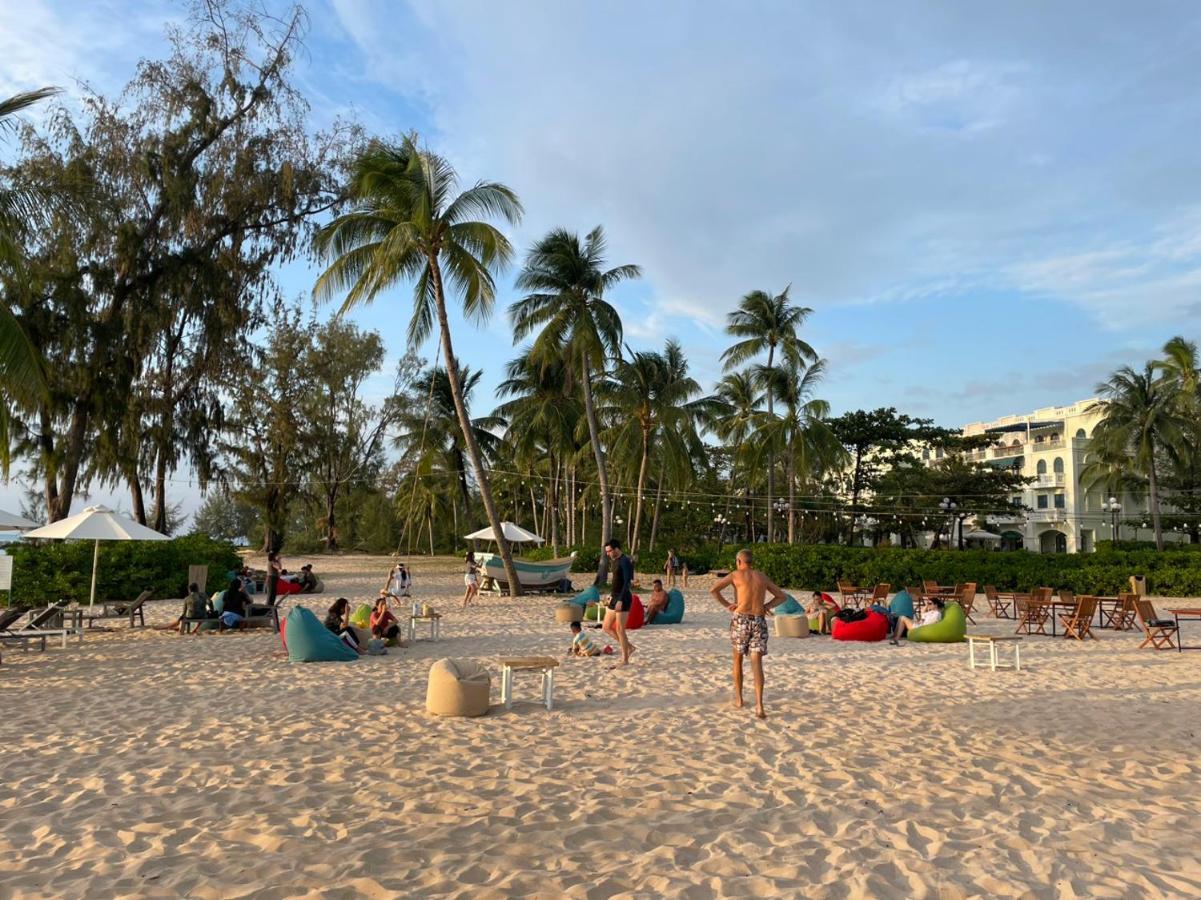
(929, 617)
(820, 610)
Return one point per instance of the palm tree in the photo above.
(733, 417)
(566, 281)
(768, 323)
(407, 222)
(1141, 419)
(541, 420)
(801, 434)
(21, 372)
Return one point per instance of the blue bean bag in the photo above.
(588, 595)
(310, 641)
(673, 613)
(950, 629)
(901, 605)
(789, 607)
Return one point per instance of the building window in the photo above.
(1081, 433)
(1041, 468)
(1058, 467)
(1055, 438)
(1059, 501)
(938, 453)
(926, 453)
(1039, 439)
(1042, 501)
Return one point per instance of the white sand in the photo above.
(151, 764)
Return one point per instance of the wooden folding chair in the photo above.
(999, 605)
(851, 595)
(1122, 616)
(1066, 595)
(966, 596)
(1078, 623)
(1033, 613)
(880, 594)
(1161, 633)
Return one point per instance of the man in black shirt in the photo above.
(620, 600)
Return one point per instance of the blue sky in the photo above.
(988, 207)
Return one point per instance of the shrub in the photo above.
(50, 572)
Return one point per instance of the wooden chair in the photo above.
(1078, 623)
(1122, 616)
(122, 610)
(1033, 613)
(1160, 633)
(966, 595)
(930, 588)
(39, 627)
(851, 595)
(998, 604)
(880, 594)
(1067, 596)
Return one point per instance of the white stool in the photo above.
(544, 664)
(992, 641)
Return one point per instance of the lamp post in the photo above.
(720, 522)
(1114, 508)
(948, 506)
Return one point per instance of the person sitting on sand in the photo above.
(580, 643)
(337, 620)
(400, 582)
(233, 609)
(904, 624)
(383, 623)
(308, 581)
(657, 602)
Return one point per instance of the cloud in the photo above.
(963, 96)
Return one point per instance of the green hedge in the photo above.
(62, 570)
(1171, 573)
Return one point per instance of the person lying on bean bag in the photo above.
(932, 614)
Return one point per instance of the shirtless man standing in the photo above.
(748, 627)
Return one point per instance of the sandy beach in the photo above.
(148, 764)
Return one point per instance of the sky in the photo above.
(987, 207)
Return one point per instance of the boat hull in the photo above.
(540, 575)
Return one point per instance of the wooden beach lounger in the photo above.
(131, 611)
(38, 629)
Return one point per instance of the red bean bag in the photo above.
(637, 617)
(873, 628)
(283, 587)
(830, 602)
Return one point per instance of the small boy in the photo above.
(580, 644)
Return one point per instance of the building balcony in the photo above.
(1009, 518)
(1048, 480)
(1007, 452)
(1048, 515)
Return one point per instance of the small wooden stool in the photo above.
(544, 664)
(992, 641)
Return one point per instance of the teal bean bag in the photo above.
(673, 614)
(901, 605)
(588, 595)
(789, 607)
(310, 641)
(950, 629)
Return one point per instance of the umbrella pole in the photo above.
(95, 563)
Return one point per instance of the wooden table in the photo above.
(1185, 614)
(992, 641)
(545, 665)
(435, 622)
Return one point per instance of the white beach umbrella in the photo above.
(981, 536)
(96, 523)
(11, 522)
(514, 534)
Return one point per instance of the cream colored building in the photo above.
(1049, 446)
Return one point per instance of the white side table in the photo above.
(992, 641)
(435, 623)
(545, 665)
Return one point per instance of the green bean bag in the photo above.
(308, 640)
(588, 595)
(950, 629)
(361, 617)
(901, 605)
(673, 613)
(593, 613)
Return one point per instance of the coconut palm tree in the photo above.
(566, 281)
(21, 372)
(734, 414)
(407, 222)
(768, 323)
(1141, 420)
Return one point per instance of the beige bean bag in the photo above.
(791, 626)
(458, 687)
(568, 613)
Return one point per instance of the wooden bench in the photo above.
(546, 665)
(992, 641)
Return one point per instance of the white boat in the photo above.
(541, 575)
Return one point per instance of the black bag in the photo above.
(851, 615)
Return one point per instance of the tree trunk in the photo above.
(139, 502)
(855, 493)
(1153, 487)
(771, 463)
(602, 477)
(642, 466)
(655, 517)
(473, 450)
(553, 503)
(791, 499)
(164, 436)
(60, 484)
(331, 534)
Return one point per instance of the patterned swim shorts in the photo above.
(748, 634)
